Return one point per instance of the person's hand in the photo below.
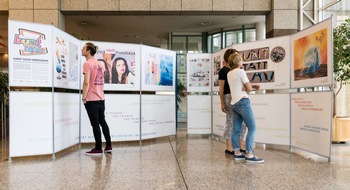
(244, 88)
(223, 109)
(256, 86)
(84, 101)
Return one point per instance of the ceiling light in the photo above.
(206, 23)
(84, 22)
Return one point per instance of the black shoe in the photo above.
(243, 151)
(229, 152)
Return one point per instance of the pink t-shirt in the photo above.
(95, 91)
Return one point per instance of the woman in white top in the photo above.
(241, 109)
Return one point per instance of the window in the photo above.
(215, 43)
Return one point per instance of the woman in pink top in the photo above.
(93, 98)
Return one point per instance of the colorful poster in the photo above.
(66, 59)
(121, 63)
(312, 56)
(30, 54)
(158, 69)
(217, 64)
(198, 72)
(267, 62)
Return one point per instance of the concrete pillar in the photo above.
(38, 11)
(260, 31)
(283, 18)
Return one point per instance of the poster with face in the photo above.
(121, 63)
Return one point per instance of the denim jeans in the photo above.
(241, 111)
(96, 113)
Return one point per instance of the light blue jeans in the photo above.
(241, 111)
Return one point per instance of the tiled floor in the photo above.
(176, 162)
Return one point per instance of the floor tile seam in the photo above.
(178, 163)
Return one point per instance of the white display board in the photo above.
(217, 64)
(158, 69)
(312, 122)
(122, 63)
(31, 124)
(198, 72)
(267, 62)
(66, 60)
(199, 114)
(312, 56)
(122, 115)
(272, 116)
(158, 116)
(219, 117)
(66, 120)
(30, 54)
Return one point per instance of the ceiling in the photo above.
(147, 30)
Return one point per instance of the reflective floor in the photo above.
(176, 162)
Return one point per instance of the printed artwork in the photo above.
(217, 67)
(66, 61)
(278, 54)
(199, 72)
(310, 56)
(159, 70)
(119, 65)
(255, 63)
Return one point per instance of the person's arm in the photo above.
(221, 92)
(86, 85)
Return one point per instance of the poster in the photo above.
(312, 122)
(219, 117)
(66, 119)
(121, 63)
(198, 72)
(30, 123)
(30, 54)
(155, 121)
(66, 60)
(267, 62)
(313, 56)
(272, 126)
(158, 69)
(122, 115)
(199, 114)
(217, 64)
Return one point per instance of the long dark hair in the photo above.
(115, 73)
(106, 73)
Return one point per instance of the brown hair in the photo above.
(234, 60)
(91, 47)
(228, 52)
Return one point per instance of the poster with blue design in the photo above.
(66, 60)
(158, 69)
(30, 54)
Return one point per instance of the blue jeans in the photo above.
(96, 113)
(241, 111)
